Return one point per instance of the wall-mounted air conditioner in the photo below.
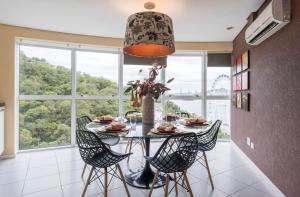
(276, 15)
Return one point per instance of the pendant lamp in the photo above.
(149, 34)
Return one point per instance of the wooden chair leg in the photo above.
(208, 171)
(87, 182)
(105, 182)
(153, 183)
(130, 145)
(128, 142)
(175, 182)
(188, 184)
(84, 167)
(167, 185)
(142, 145)
(123, 179)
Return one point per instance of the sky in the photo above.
(185, 69)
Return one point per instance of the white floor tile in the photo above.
(55, 192)
(42, 174)
(12, 177)
(201, 189)
(243, 174)
(12, 166)
(250, 192)
(41, 171)
(12, 189)
(75, 189)
(73, 176)
(267, 188)
(227, 184)
(39, 184)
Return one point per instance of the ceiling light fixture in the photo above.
(149, 34)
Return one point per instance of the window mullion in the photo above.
(17, 93)
(73, 98)
(163, 97)
(120, 82)
(204, 84)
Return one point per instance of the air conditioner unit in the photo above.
(275, 16)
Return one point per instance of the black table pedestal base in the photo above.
(143, 179)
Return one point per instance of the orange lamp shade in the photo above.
(149, 34)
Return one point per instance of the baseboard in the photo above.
(252, 164)
(7, 156)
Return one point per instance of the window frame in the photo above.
(219, 97)
(73, 97)
(119, 97)
(189, 97)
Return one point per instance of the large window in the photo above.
(44, 83)
(45, 123)
(218, 98)
(218, 81)
(186, 89)
(44, 71)
(59, 83)
(187, 71)
(97, 73)
(220, 110)
(94, 108)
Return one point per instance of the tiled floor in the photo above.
(57, 173)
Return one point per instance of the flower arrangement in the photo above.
(149, 86)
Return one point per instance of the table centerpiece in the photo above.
(144, 92)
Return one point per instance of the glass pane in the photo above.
(44, 124)
(97, 73)
(192, 107)
(94, 108)
(44, 71)
(187, 73)
(220, 109)
(218, 81)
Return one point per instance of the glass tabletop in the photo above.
(144, 130)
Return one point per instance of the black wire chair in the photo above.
(130, 144)
(175, 156)
(183, 114)
(103, 160)
(206, 142)
(106, 139)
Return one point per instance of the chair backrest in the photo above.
(82, 122)
(183, 114)
(207, 140)
(89, 145)
(131, 112)
(177, 153)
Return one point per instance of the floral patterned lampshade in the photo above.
(149, 34)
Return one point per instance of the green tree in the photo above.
(48, 123)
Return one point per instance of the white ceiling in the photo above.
(194, 20)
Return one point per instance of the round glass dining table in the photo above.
(142, 178)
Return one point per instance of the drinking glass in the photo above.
(158, 113)
(177, 119)
(132, 119)
(121, 119)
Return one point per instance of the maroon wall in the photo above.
(273, 123)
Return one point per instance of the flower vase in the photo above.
(148, 109)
